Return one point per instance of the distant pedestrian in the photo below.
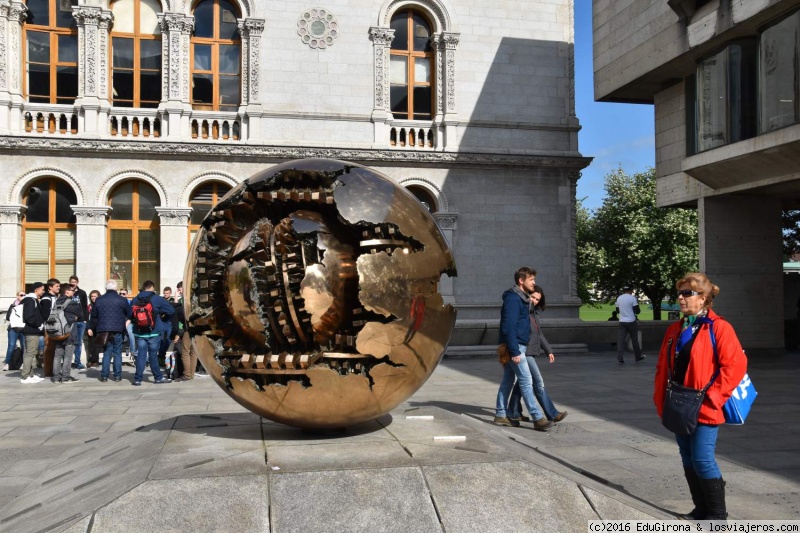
(15, 327)
(33, 331)
(64, 347)
(129, 327)
(92, 347)
(107, 323)
(46, 347)
(628, 308)
(148, 336)
(83, 301)
(188, 355)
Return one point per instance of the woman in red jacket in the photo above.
(689, 358)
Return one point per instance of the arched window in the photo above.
(216, 56)
(424, 197)
(133, 235)
(411, 67)
(51, 52)
(136, 54)
(201, 201)
(48, 231)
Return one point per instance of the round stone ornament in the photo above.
(318, 28)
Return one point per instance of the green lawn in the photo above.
(603, 312)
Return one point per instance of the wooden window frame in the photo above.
(134, 226)
(410, 56)
(53, 32)
(215, 42)
(137, 69)
(52, 227)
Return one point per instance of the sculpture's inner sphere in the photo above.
(314, 296)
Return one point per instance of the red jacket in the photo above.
(732, 367)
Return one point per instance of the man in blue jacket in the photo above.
(515, 332)
(109, 313)
(148, 337)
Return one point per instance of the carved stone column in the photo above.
(174, 243)
(251, 30)
(91, 244)
(381, 109)
(447, 223)
(176, 30)
(572, 246)
(446, 119)
(12, 15)
(93, 24)
(11, 256)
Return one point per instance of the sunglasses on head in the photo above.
(687, 292)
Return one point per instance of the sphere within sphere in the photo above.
(312, 294)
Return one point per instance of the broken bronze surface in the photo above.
(312, 294)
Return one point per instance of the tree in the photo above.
(634, 242)
(591, 258)
(791, 233)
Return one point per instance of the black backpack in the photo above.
(143, 319)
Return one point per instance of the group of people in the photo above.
(701, 350)
(152, 323)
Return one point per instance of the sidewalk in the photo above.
(112, 457)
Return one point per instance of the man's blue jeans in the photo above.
(522, 372)
(113, 351)
(131, 340)
(80, 329)
(13, 338)
(515, 404)
(147, 351)
(697, 451)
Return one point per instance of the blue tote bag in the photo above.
(738, 405)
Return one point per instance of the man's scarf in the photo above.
(522, 294)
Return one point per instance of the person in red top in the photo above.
(690, 361)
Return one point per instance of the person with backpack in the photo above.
(147, 309)
(15, 327)
(107, 324)
(62, 333)
(33, 331)
(47, 348)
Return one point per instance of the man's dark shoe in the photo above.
(68, 379)
(55, 380)
(542, 424)
(520, 418)
(505, 421)
(137, 383)
(642, 358)
(117, 379)
(620, 362)
(103, 379)
(162, 381)
(561, 416)
(80, 366)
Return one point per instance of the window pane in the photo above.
(204, 19)
(202, 57)
(779, 50)
(422, 103)
(39, 205)
(121, 245)
(400, 26)
(228, 26)
(122, 52)
(67, 82)
(65, 246)
(68, 48)
(65, 270)
(711, 102)
(229, 90)
(742, 91)
(38, 12)
(123, 85)
(122, 202)
(123, 16)
(36, 272)
(64, 18)
(148, 271)
(65, 197)
(204, 193)
(148, 18)
(148, 200)
(229, 59)
(203, 88)
(422, 33)
(37, 246)
(148, 245)
(150, 84)
(39, 80)
(150, 52)
(38, 47)
(422, 70)
(399, 101)
(199, 212)
(398, 70)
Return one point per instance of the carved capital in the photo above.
(174, 216)
(381, 36)
(88, 15)
(91, 216)
(450, 40)
(17, 12)
(446, 220)
(12, 214)
(251, 26)
(176, 22)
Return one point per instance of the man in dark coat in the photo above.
(82, 299)
(149, 340)
(109, 313)
(33, 331)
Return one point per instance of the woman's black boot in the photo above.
(696, 490)
(714, 492)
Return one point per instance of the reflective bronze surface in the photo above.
(312, 294)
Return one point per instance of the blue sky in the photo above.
(614, 134)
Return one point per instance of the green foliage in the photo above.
(791, 233)
(631, 241)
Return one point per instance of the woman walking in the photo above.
(688, 357)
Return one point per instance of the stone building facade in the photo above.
(122, 122)
(722, 75)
